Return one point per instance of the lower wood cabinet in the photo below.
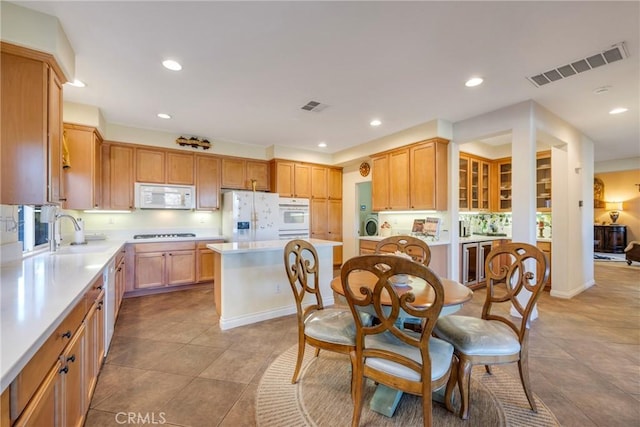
(205, 262)
(56, 385)
(546, 248)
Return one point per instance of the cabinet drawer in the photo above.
(26, 383)
(164, 247)
(368, 245)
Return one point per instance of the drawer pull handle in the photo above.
(66, 334)
(64, 370)
(99, 288)
(71, 358)
(99, 306)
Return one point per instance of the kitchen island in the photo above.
(251, 284)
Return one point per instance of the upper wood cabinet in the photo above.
(238, 174)
(31, 131)
(413, 177)
(503, 183)
(476, 186)
(291, 179)
(83, 177)
(164, 166)
(319, 182)
(207, 182)
(335, 184)
(117, 176)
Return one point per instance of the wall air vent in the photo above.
(314, 106)
(612, 54)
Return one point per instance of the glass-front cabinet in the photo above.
(463, 198)
(543, 181)
(504, 182)
(475, 183)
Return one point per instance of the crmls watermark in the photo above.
(140, 418)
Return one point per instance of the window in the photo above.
(31, 232)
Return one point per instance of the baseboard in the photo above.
(573, 292)
(234, 322)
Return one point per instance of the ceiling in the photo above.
(249, 67)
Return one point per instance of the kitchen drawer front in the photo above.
(164, 247)
(367, 247)
(32, 375)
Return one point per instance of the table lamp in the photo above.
(614, 209)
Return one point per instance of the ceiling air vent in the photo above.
(314, 106)
(612, 54)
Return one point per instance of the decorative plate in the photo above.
(364, 169)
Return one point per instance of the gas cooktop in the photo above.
(163, 235)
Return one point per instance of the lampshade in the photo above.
(614, 206)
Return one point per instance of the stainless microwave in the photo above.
(162, 196)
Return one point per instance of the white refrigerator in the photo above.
(250, 216)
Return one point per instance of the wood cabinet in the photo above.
(475, 183)
(158, 265)
(83, 178)
(164, 166)
(56, 385)
(610, 238)
(543, 181)
(31, 131)
(335, 183)
(205, 262)
(117, 176)
(207, 182)
(411, 178)
(319, 182)
(293, 179)
(504, 184)
(120, 279)
(238, 173)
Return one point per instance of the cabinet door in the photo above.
(120, 177)
(204, 263)
(180, 168)
(207, 182)
(598, 238)
(319, 218)
(423, 176)
(150, 165)
(181, 267)
(54, 122)
(302, 181)
(44, 408)
(319, 182)
(484, 186)
(504, 182)
(380, 183)
(284, 178)
(335, 228)
(463, 189)
(259, 171)
(615, 239)
(546, 248)
(335, 183)
(24, 142)
(73, 386)
(83, 180)
(233, 173)
(399, 183)
(150, 270)
(120, 284)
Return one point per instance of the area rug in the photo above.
(322, 398)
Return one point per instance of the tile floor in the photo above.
(170, 363)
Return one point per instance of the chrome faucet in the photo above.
(53, 245)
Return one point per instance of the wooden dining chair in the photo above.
(323, 328)
(416, 248)
(496, 337)
(401, 359)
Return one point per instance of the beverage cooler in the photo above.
(473, 256)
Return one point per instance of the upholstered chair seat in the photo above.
(477, 337)
(331, 325)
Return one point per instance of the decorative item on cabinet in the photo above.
(614, 209)
(194, 142)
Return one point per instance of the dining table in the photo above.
(385, 399)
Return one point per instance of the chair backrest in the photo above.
(382, 268)
(301, 264)
(416, 248)
(512, 269)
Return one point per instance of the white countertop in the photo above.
(471, 239)
(428, 240)
(37, 293)
(262, 246)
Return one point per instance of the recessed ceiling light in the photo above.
(375, 122)
(77, 83)
(164, 116)
(601, 90)
(322, 144)
(474, 81)
(618, 110)
(172, 65)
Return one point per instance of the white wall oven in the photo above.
(294, 218)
